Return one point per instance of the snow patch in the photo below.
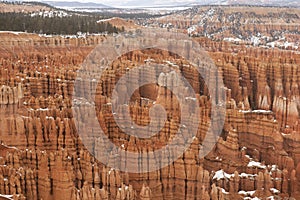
(106, 20)
(13, 32)
(256, 111)
(274, 191)
(221, 175)
(51, 14)
(249, 198)
(244, 175)
(224, 191)
(232, 39)
(256, 164)
(246, 193)
(7, 196)
(191, 30)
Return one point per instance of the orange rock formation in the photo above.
(258, 153)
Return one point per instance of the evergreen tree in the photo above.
(55, 25)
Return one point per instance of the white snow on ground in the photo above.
(246, 192)
(7, 196)
(191, 29)
(224, 191)
(275, 191)
(105, 20)
(171, 63)
(283, 44)
(149, 60)
(244, 149)
(258, 41)
(274, 168)
(255, 40)
(250, 198)
(232, 39)
(244, 175)
(50, 14)
(79, 35)
(13, 32)
(40, 109)
(256, 111)
(262, 111)
(167, 8)
(256, 164)
(221, 174)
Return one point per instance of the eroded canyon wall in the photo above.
(42, 156)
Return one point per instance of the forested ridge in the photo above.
(54, 25)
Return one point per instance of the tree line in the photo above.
(54, 25)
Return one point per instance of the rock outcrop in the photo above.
(43, 157)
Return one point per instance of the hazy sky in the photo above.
(136, 2)
(141, 3)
